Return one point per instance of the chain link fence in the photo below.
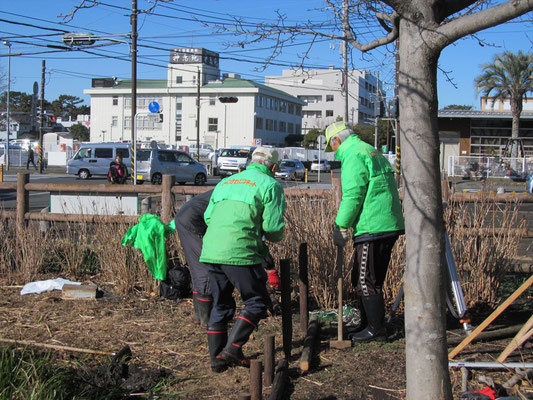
(489, 167)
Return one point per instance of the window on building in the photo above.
(212, 100)
(127, 122)
(312, 114)
(298, 110)
(282, 126)
(269, 125)
(258, 123)
(329, 113)
(212, 124)
(275, 126)
(115, 100)
(329, 97)
(291, 108)
(114, 120)
(179, 79)
(298, 129)
(283, 106)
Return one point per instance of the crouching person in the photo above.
(242, 209)
(191, 228)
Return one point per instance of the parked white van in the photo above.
(94, 158)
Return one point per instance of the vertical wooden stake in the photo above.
(167, 198)
(286, 312)
(269, 360)
(23, 198)
(256, 389)
(303, 285)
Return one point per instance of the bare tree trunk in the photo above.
(516, 111)
(425, 326)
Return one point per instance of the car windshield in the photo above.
(143, 155)
(234, 153)
(288, 164)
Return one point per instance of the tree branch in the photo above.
(391, 37)
(468, 24)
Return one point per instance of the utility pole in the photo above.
(198, 115)
(134, 12)
(41, 118)
(6, 158)
(345, 30)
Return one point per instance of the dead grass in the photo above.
(76, 250)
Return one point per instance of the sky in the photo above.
(32, 26)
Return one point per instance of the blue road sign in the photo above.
(153, 107)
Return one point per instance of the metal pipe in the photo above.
(489, 365)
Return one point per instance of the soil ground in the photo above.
(171, 352)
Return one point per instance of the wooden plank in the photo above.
(78, 292)
(520, 337)
(491, 317)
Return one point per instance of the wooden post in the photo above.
(256, 389)
(278, 387)
(303, 285)
(337, 189)
(269, 359)
(309, 344)
(167, 198)
(286, 312)
(23, 198)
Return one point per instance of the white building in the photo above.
(323, 93)
(262, 115)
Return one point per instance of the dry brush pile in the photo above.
(482, 251)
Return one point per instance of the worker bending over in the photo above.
(243, 208)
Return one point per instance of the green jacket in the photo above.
(242, 209)
(370, 202)
(149, 237)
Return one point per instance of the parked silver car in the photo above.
(154, 163)
(291, 169)
(323, 166)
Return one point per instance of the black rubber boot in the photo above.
(375, 313)
(204, 305)
(241, 331)
(363, 323)
(217, 336)
(196, 317)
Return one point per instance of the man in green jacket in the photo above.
(243, 208)
(371, 207)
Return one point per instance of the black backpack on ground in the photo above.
(177, 284)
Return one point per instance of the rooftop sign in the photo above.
(193, 55)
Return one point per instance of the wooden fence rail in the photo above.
(167, 190)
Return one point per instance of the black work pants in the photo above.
(191, 244)
(369, 265)
(249, 280)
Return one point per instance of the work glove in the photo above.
(273, 279)
(340, 236)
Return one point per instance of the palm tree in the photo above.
(509, 77)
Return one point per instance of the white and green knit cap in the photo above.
(266, 155)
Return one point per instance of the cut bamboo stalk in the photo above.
(522, 335)
(491, 317)
(56, 347)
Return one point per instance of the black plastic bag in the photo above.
(177, 284)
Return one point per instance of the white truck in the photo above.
(230, 161)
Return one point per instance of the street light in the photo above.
(8, 44)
